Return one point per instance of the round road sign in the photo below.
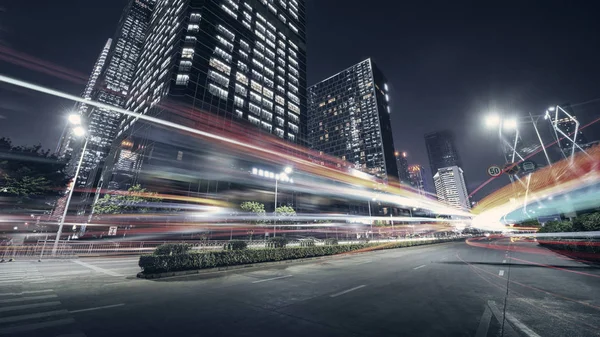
(494, 171)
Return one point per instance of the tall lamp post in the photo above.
(78, 131)
(283, 176)
(370, 217)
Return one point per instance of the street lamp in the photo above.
(78, 131)
(510, 124)
(283, 176)
(370, 217)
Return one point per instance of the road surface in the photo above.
(453, 289)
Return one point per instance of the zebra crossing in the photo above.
(26, 311)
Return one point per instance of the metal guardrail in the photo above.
(67, 249)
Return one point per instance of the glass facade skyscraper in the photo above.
(242, 60)
(450, 187)
(441, 150)
(349, 117)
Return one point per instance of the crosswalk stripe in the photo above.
(36, 326)
(30, 316)
(28, 292)
(31, 298)
(29, 306)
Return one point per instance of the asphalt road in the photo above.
(454, 289)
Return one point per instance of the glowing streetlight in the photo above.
(510, 124)
(492, 120)
(551, 108)
(75, 119)
(79, 131)
(288, 170)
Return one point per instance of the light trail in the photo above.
(394, 194)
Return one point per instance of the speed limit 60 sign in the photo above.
(494, 171)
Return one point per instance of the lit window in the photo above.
(226, 43)
(187, 53)
(254, 120)
(241, 90)
(182, 79)
(268, 93)
(185, 65)
(279, 100)
(193, 28)
(226, 32)
(241, 78)
(217, 91)
(254, 97)
(279, 121)
(223, 54)
(255, 109)
(245, 45)
(228, 11)
(254, 85)
(268, 82)
(243, 67)
(195, 17)
(293, 27)
(218, 78)
(220, 66)
(238, 101)
(293, 107)
(279, 132)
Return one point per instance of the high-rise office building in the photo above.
(418, 178)
(402, 163)
(349, 117)
(441, 150)
(109, 83)
(450, 187)
(243, 60)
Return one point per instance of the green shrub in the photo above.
(212, 259)
(172, 249)
(236, 245)
(331, 242)
(277, 242)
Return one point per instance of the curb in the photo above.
(263, 264)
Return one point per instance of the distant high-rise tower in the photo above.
(240, 60)
(109, 83)
(417, 178)
(349, 117)
(450, 187)
(402, 163)
(441, 150)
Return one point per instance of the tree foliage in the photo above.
(285, 211)
(30, 172)
(254, 207)
(135, 200)
(581, 223)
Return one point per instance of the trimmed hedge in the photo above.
(172, 249)
(236, 245)
(191, 261)
(277, 242)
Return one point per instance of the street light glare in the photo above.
(551, 108)
(74, 119)
(492, 120)
(510, 124)
(79, 131)
(288, 170)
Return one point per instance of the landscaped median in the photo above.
(176, 258)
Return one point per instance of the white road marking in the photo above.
(97, 308)
(29, 306)
(36, 326)
(501, 273)
(484, 323)
(98, 269)
(111, 262)
(515, 323)
(419, 267)
(363, 262)
(271, 279)
(503, 261)
(347, 291)
(31, 298)
(30, 316)
(27, 292)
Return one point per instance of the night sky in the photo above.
(448, 63)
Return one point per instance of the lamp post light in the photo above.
(283, 176)
(370, 217)
(78, 131)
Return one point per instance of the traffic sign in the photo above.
(494, 171)
(112, 231)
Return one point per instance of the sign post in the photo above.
(494, 171)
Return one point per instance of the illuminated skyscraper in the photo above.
(242, 60)
(349, 117)
(402, 163)
(450, 187)
(441, 150)
(418, 179)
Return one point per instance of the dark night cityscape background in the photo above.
(448, 64)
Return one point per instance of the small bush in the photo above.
(173, 249)
(236, 245)
(331, 242)
(277, 242)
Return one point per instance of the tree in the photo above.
(135, 200)
(592, 222)
(285, 211)
(28, 172)
(254, 207)
(557, 227)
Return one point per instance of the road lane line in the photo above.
(36, 326)
(501, 273)
(97, 308)
(347, 291)
(96, 268)
(27, 292)
(30, 316)
(419, 267)
(515, 323)
(503, 261)
(271, 279)
(31, 298)
(29, 306)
